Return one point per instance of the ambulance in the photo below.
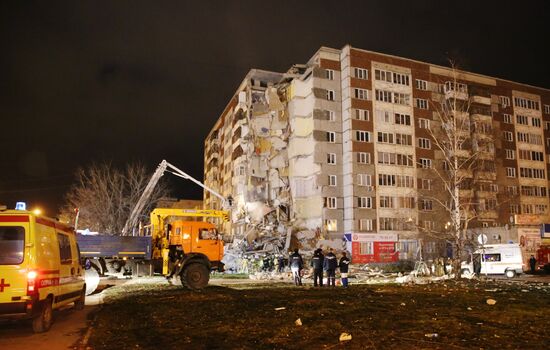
(40, 268)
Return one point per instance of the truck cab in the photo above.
(198, 237)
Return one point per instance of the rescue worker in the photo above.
(476, 261)
(176, 256)
(317, 264)
(296, 265)
(331, 264)
(533, 264)
(343, 265)
(280, 263)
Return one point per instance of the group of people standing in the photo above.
(320, 263)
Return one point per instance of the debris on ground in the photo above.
(491, 301)
(298, 322)
(345, 337)
(151, 314)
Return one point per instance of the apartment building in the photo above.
(345, 145)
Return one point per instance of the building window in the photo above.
(426, 184)
(546, 125)
(532, 173)
(421, 103)
(331, 225)
(426, 204)
(332, 180)
(510, 154)
(504, 101)
(508, 136)
(425, 163)
(386, 202)
(402, 119)
(365, 225)
(522, 119)
(423, 123)
(401, 99)
(361, 73)
(536, 122)
(331, 116)
(331, 158)
(383, 116)
(403, 139)
(364, 180)
(331, 136)
(382, 75)
(402, 79)
(383, 96)
(331, 95)
(421, 84)
(547, 109)
(363, 158)
(329, 74)
(514, 208)
(366, 248)
(331, 203)
(361, 94)
(507, 118)
(385, 137)
(364, 202)
(428, 225)
(526, 103)
(362, 114)
(362, 136)
(511, 172)
(424, 143)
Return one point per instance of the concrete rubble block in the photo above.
(261, 125)
(279, 160)
(277, 143)
(273, 99)
(262, 145)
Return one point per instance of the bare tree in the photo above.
(464, 150)
(105, 196)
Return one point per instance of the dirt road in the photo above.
(68, 328)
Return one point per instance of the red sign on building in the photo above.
(373, 248)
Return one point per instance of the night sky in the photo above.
(119, 81)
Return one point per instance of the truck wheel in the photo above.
(79, 304)
(195, 276)
(510, 273)
(43, 321)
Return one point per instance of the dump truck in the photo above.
(200, 241)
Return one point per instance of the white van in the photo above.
(496, 259)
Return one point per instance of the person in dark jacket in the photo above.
(533, 264)
(331, 263)
(296, 265)
(343, 265)
(317, 264)
(280, 263)
(175, 255)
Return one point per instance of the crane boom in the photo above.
(134, 215)
(162, 167)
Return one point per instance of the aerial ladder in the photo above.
(163, 167)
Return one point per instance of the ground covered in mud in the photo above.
(446, 315)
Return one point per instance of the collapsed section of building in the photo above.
(338, 152)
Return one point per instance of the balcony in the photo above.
(481, 100)
(488, 214)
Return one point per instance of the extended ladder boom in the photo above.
(134, 215)
(163, 167)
